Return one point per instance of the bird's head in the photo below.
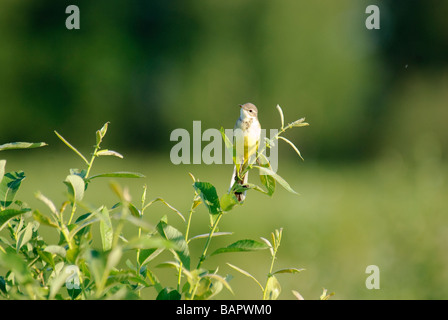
(248, 110)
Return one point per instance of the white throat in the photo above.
(244, 115)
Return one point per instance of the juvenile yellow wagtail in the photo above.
(247, 132)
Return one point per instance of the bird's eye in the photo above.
(251, 110)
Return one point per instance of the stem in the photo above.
(138, 258)
(32, 262)
(117, 232)
(190, 214)
(272, 262)
(193, 293)
(89, 167)
(142, 210)
(179, 276)
(203, 256)
(269, 274)
(276, 239)
(66, 235)
(94, 155)
(138, 249)
(73, 212)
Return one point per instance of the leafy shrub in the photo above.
(73, 269)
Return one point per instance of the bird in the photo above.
(247, 133)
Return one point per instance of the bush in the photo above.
(73, 269)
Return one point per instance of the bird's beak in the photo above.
(241, 105)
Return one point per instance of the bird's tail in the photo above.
(240, 195)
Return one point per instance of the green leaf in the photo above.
(288, 270)
(39, 217)
(206, 235)
(292, 145)
(143, 199)
(46, 256)
(269, 244)
(228, 201)
(146, 255)
(203, 289)
(53, 249)
(247, 186)
(101, 133)
(72, 147)
(87, 219)
(209, 196)
(153, 279)
(48, 203)
(170, 233)
(7, 214)
(113, 258)
(106, 152)
(247, 274)
(139, 222)
(279, 179)
(242, 246)
(299, 123)
(3, 285)
(2, 169)
(82, 173)
(229, 145)
(165, 203)
(101, 264)
(24, 236)
(218, 280)
(297, 295)
(134, 211)
(76, 187)
(273, 289)
(206, 286)
(21, 145)
(150, 242)
(269, 183)
(325, 295)
(5, 241)
(118, 175)
(168, 294)
(176, 265)
(267, 180)
(12, 261)
(96, 262)
(9, 186)
(106, 229)
(127, 275)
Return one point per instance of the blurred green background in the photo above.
(374, 182)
